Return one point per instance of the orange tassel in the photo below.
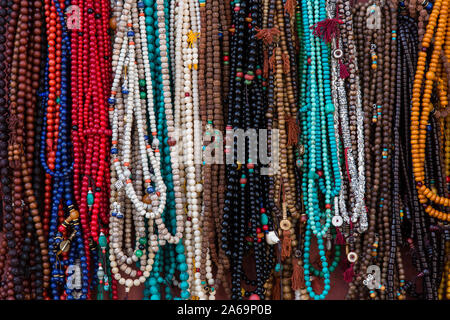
(289, 7)
(267, 35)
(297, 279)
(286, 63)
(276, 290)
(272, 61)
(286, 245)
(293, 131)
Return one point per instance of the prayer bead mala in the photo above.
(214, 63)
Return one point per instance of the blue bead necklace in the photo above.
(64, 252)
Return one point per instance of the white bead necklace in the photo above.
(186, 105)
(120, 261)
(130, 160)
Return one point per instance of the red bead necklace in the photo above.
(91, 79)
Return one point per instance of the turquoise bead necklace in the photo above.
(321, 177)
(171, 254)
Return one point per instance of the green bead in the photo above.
(143, 94)
(142, 240)
(142, 82)
(138, 253)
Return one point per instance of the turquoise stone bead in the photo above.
(90, 198)
(184, 276)
(154, 290)
(184, 285)
(181, 258)
(152, 281)
(277, 267)
(185, 295)
(102, 241)
(182, 267)
(264, 219)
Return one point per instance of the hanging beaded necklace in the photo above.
(89, 122)
(25, 254)
(422, 127)
(354, 187)
(420, 117)
(186, 105)
(244, 209)
(213, 64)
(160, 70)
(321, 173)
(65, 238)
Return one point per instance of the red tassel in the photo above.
(286, 63)
(339, 237)
(276, 291)
(349, 274)
(297, 279)
(286, 245)
(266, 64)
(293, 131)
(289, 7)
(272, 61)
(327, 29)
(343, 72)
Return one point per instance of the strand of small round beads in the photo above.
(186, 101)
(212, 63)
(89, 122)
(407, 50)
(353, 118)
(159, 69)
(243, 208)
(7, 19)
(419, 116)
(127, 106)
(285, 99)
(24, 245)
(318, 128)
(65, 238)
(422, 105)
(152, 11)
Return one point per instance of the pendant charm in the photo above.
(373, 17)
(285, 224)
(272, 238)
(352, 257)
(337, 221)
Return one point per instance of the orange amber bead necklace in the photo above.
(422, 106)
